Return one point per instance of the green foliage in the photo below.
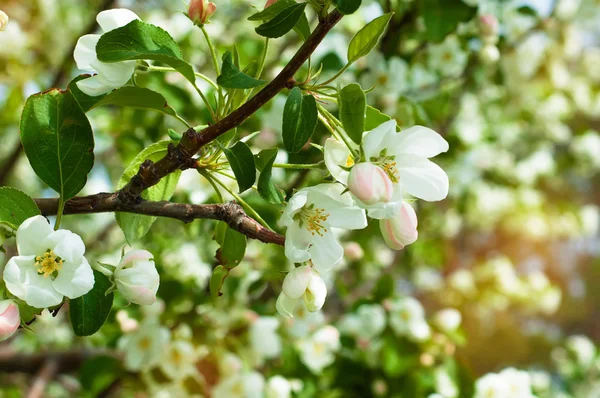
(58, 141)
(441, 17)
(299, 120)
(241, 161)
(348, 7)
(373, 118)
(232, 245)
(366, 39)
(352, 107)
(266, 187)
(16, 207)
(89, 312)
(135, 226)
(283, 22)
(302, 27)
(98, 373)
(217, 279)
(232, 77)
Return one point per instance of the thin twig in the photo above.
(44, 376)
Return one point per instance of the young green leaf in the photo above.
(283, 22)
(353, 104)
(232, 77)
(374, 118)
(441, 17)
(135, 226)
(58, 141)
(16, 207)
(89, 312)
(299, 120)
(241, 161)
(348, 7)
(217, 279)
(139, 40)
(266, 187)
(232, 246)
(366, 39)
(302, 27)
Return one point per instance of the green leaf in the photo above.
(374, 118)
(86, 102)
(16, 207)
(283, 22)
(266, 187)
(232, 77)
(384, 288)
(135, 226)
(348, 7)
(98, 373)
(58, 141)
(89, 312)
(241, 161)
(217, 279)
(28, 313)
(302, 27)
(137, 97)
(366, 39)
(299, 120)
(232, 246)
(353, 105)
(441, 17)
(139, 40)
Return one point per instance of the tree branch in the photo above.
(67, 361)
(44, 376)
(231, 213)
(180, 156)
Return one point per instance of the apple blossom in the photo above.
(145, 347)
(9, 319)
(240, 385)
(200, 11)
(3, 20)
(448, 319)
(264, 340)
(179, 360)
(136, 277)
(407, 318)
(318, 351)
(400, 230)
(489, 54)
(50, 265)
(109, 75)
(488, 26)
(370, 184)
(302, 282)
(309, 217)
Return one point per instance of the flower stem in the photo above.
(59, 213)
(212, 51)
(336, 75)
(205, 174)
(207, 79)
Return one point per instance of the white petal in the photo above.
(297, 241)
(337, 154)
(296, 281)
(315, 295)
(135, 255)
(422, 178)
(340, 214)
(85, 52)
(379, 138)
(92, 86)
(115, 18)
(114, 74)
(285, 305)
(22, 280)
(326, 252)
(66, 244)
(74, 279)
(31, 236)
(381, 211)
(420, 141)
(295, 203)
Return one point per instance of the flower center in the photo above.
(48, 263)
(312, 218)
(388, 164)
(350, 161)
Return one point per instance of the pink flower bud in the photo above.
(200, 11)
(370, 184)
(9, 319)
(270, 3)
(401, 230)
(488, 25)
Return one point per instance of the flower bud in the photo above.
(489, 54)
(488, 25)
(9, 319)
(448, 319)
(3, 20)
(400, 230)
(200, 11)
(353, 251)
(370, 184)
(136, 277)
(270, 3)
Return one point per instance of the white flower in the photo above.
(518, 383)
(407, 318)
(109, 75)
(50, 265)
(368, 322)
(583, 349)
(444, 385)
(264, 340)
(491, 385)
(136, 277)
(9, 319)
(302, 282)
(3, 20)
(448, 319)
(448, 58)
(245, 385)
(566, 9)
(280, 387)
(309, 216)
(400, 230)
(179, 360)
(145, 348)
(318, 351)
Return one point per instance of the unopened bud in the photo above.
(3, 20)
(9, 319)
(488, 25)
(200, 11)
(489, 54)
(136, 277)
(270, 3)
(370, 184)
(353, 251)
(401, 230)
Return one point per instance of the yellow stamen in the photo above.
(390, 170)
(350, 161)
(313, 218)
(48, 263)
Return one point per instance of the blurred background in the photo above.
(505, 272)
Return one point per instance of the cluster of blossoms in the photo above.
(372, 183)
(510, 382)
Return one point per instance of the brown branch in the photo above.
(180, 156)
(67, 361)
(231, 213)
(44, 376)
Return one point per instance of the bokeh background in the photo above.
(514, 86)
